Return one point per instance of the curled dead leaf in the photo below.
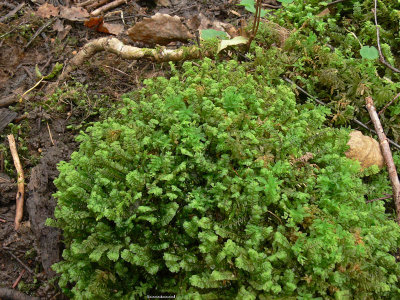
(364, 149)
(97, 23)
(159, 29)
(47, 10)
(73, 13)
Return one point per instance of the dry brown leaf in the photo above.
(47, 10)
(364, 149)
(74, 13)
(63, 33)
(323, 13)
(164, 3)
(58, 25)
(160, 29)
(97, 23)
(114, 29)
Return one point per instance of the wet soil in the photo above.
(45, 129)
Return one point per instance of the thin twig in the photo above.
(21, 179)
(39, 31)
(12, 13)
(381, 198)
(381, 57)
(50, 135)
(107, 7)
(335, 2)
(18, 279)
(21, 262)
(272, 6)
(387, 105)
(322, 103)
(387, 155)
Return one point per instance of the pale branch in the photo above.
(113, 45)
(381, 57)
(107, 7)
(388, 104)
(387, 155)
(21, 179)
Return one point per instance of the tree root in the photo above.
(114, 45)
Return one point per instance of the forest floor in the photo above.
(45, 124)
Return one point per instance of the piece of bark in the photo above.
(6, 117)
(160, 29)
(7, 190)
(387, 155)
(10, 294)
(40, 205)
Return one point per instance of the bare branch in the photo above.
(387, 155)
(381, 57)
(21, 179)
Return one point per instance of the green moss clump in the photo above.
(203, 186)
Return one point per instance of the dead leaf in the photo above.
(164, 3)
(239, 40)
(58, 25)
(97, 23)
(200, 22)
(114, 29)
(323, 13)
(63, 33)
(73, 13)
(160, 29)
(364, 149)
(94, 22)
(47, 10)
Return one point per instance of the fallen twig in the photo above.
(381, 57)
(113, 45)
(334, 2)
(12, 13)
(11, 294)
(85, 3)
(387, 155)
(50, 135)
(21, 179)
(388, 104)
(322, 103)
(21, 262)
(107, 7)
(381, 198)
(39, 31)
(96, 4)
(18, 279)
